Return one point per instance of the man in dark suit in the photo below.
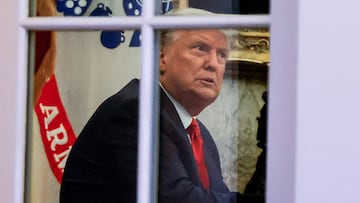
(102, 165)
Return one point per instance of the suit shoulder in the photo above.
(129, 91)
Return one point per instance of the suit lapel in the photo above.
(172, 127)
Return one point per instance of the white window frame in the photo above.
(14, 76)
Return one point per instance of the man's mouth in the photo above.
(208, 80)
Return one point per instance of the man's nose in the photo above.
(212, 60)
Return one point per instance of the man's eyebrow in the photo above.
(203, 42)
(225, 50)
(200, 41)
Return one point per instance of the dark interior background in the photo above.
(232, 6)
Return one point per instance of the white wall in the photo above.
(314, 100)
(328, 160)
(12, 102)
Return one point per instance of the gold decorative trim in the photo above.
(250, 45)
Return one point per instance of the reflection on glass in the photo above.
(73, 73)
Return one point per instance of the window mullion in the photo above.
(83, 23)
(148, 110)
(148, 120)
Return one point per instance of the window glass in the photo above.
(73, 74)
(236, 120)
(75, 71)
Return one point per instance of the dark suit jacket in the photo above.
(102, 164)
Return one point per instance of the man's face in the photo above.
(193, 66)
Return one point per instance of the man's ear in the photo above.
(162, 61)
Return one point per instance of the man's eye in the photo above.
(223, 55)
(200, 48)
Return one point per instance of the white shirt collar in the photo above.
(185, 117)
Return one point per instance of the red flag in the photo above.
(55, 128)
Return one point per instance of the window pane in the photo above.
(236, 120)
(74, 73)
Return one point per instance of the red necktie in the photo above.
(197, 147)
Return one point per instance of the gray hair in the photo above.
(167, 35)
(189, 12)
